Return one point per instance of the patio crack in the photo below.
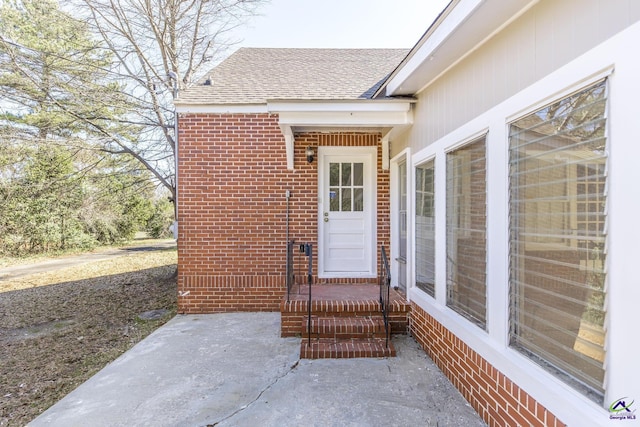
(263, 391)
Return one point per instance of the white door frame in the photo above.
(371, 228)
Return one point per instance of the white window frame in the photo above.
(439, 292)
(482, 138)
(622, 380)
(403, 156)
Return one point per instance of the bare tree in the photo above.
(161, 47)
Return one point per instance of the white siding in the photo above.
(556, 47)
(547, 36)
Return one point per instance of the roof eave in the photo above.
(459, 30)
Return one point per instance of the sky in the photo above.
(340, 23)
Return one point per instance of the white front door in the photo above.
(347, 211)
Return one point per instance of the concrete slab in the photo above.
(235, 370)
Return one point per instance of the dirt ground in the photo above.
(58, 329)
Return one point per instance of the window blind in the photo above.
(558, 181)
(466, 231)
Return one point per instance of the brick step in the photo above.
(334, 307)
(329, 348)
(294, 312)
(344, 327)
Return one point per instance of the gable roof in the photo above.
(255, 75)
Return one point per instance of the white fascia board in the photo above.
(324, 119)
(453, 20)
(343, 114)
(222, 108)
(387, 105)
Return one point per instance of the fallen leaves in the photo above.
(57, 329)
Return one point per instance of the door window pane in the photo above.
(346, 174)
(346, 200)
(346, 192)
(334, 174)
(358, 175)
(334, 199)
(358, 200)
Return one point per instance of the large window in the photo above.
(466, 231)
(557, 237)
(425, 215)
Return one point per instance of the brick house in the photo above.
(483, 159)
(239, 158)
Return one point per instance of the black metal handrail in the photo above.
(308, 250)
(385, 289)
(291, 278)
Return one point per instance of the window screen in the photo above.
(558, 180)
(466, 231)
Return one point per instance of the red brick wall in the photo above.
(497, 399)
(232, 209)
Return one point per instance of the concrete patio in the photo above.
(235, 370)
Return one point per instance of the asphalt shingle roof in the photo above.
(255, 75)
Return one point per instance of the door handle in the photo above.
(326, 219)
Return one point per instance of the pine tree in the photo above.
(60, 109)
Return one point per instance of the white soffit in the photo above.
(462, 29)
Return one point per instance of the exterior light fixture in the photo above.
(309, 153)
